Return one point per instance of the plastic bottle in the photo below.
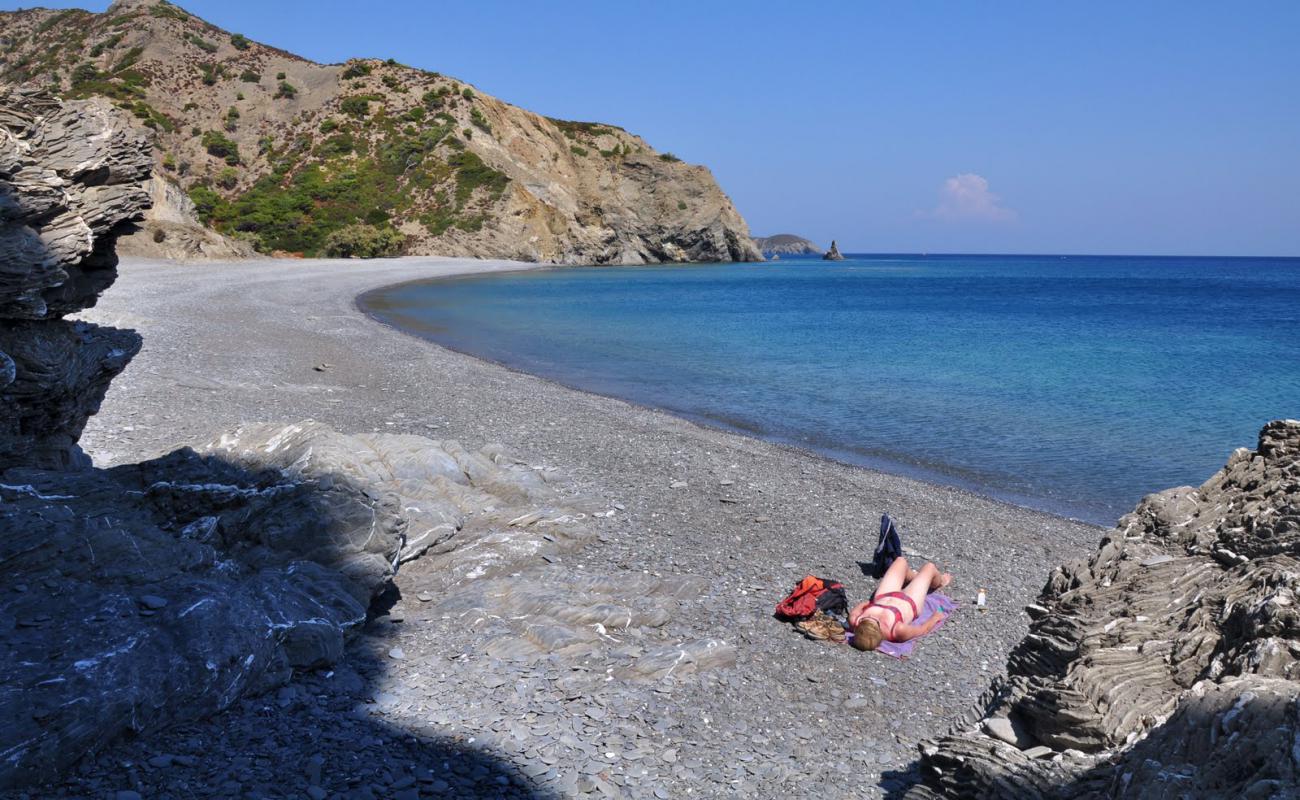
(981, 600)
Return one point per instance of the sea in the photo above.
(1069, 384)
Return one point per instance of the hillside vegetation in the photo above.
(370, 157)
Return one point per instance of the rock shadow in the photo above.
(191, 626)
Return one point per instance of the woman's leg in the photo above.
(927, 580)
(892, 580)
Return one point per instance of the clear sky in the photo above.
(1086, 127)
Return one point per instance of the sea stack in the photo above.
(834, 253)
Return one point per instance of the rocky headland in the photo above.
(369, 157)
(784, 245)
(1167, 665)
(834, 253)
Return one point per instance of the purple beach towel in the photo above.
(933, 602)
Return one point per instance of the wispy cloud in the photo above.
(966, 197)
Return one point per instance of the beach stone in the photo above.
(1134, 681)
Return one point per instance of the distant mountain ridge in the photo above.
(786, 244)
(370, 156)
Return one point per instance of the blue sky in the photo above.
(1098, 127)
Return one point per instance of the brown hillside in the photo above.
(291, 155)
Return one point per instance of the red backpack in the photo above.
(811, 595)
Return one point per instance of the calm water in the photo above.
(1074, 385)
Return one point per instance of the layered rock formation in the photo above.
(834, 253)
(71, 179)
(1165, 666)
(282, 152)
(786, 244)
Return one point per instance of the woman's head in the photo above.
(867, 634)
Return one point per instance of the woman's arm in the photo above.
(909, 631)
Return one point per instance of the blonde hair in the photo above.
(867, 635)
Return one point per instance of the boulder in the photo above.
(834, 253)
(1166, 665)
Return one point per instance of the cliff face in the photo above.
(786, 244)
(283, 152)
(1165, 666)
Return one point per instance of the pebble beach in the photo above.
(418, 709)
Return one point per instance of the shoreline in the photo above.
(892, 465)
(745, 518)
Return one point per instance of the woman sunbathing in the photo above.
(890, 613)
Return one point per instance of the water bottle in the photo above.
(981, 600)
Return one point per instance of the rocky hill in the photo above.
(786, 244)
(366, 157)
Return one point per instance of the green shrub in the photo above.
(328, 126)
(190, 106)
(286, 91)
(205, 201)
(169, 162)
(166, 10)
(107, 44)
(232, 119)
(338, 145)
(239, 95)
(356, 69)
(227, 178)
(390, 81)
(577, 151)
(356, 105)
(669, 157)
(479, 121)
(681, 205)
(127, 61)
(472, 173)
(211, 73)
(250, 76)
(240, 41)
(468, 93)
(84, 73)
(201, 43)
(362, 240)
(416, 114)
(467, 133)
(218, 145)
(279, 76)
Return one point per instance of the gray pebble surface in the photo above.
(418, 709)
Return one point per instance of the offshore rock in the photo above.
(1166, 665)
(786, 244)
(71, 182)
(834, 253)
(154, 593)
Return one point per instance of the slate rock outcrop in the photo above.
(1166, 665)
(71, 182)
(153, 593)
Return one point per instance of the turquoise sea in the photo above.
(1073, 384)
